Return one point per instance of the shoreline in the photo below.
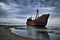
(4, 30)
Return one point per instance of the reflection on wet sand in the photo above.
(31, 32)
(39, 34)
(42, 35)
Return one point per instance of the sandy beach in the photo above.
(5, 34)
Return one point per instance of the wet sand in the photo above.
(5, 34)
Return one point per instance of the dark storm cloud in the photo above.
(3, 12)
(28, 10)
(25, 11)
(46, 3)
(56, 12)
(50, 3)
(21, 17)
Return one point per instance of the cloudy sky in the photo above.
(17, 11)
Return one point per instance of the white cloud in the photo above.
(4, 6)
(12, 20)
(9, 8)
(48, 8)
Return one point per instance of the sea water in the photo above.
(48, 33)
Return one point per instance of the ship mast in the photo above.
(37, 14)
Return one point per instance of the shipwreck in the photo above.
(39, 20)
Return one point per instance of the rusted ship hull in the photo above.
(40, 21)
(34, 23)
